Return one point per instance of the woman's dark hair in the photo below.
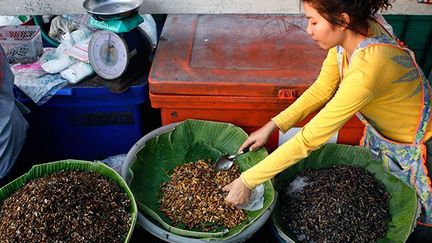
(359, 11)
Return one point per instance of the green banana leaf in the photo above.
(190, 141)
(41, 170)
(403, 199)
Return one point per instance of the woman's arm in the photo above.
(351, 96)
(319, 93)
(312, 99)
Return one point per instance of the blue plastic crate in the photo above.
(85, 122)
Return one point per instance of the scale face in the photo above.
(108, 54)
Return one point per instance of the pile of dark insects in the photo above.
(194, 197)
(68, 206)
(336, 204)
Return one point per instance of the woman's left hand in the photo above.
(238, 192)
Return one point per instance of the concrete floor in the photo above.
(412, 7)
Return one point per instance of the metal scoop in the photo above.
(226, 161)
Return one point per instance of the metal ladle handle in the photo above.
(245, 150)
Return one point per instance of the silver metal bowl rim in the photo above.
(161, 232)
(90, 11)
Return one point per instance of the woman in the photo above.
(366, 73)
(13, 126)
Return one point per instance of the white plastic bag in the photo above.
(256, 201)
(77, 72)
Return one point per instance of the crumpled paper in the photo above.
(61, 25)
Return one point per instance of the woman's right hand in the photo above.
(259, 138)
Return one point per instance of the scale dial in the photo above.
(108, 54)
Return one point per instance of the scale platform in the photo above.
(117, 26)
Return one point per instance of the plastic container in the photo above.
(41, 170)
(401, 218)
(22, 44)
(47, 40)
(158, 230)
(240, 69)
(86, 122)
(278, 235)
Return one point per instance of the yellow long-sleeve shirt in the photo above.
(380, 81)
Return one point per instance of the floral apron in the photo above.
(407, 161)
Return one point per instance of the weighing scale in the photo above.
(118, 48)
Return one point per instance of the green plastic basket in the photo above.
(41, 170)
(403, 199)
(44, 31)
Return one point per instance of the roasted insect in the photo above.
(194, 197)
